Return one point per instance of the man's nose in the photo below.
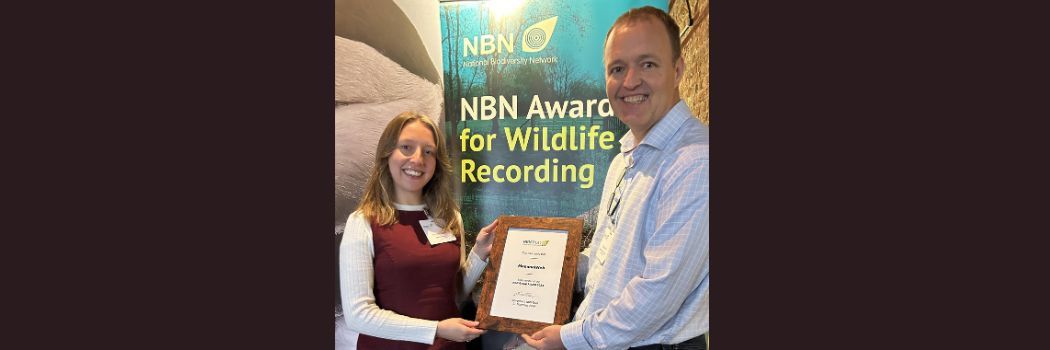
(631, 79)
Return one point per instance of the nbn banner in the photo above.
(529, 128)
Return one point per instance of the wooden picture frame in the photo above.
(574, 229)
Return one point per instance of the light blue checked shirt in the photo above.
(646, 269)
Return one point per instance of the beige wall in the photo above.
(426, 17)
(695, 48)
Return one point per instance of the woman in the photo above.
(402, 266)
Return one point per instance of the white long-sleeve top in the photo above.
(356, 278)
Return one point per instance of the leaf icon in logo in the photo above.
(538, 35)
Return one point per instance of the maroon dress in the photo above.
(413, 278)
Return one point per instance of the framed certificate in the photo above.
(530, 276)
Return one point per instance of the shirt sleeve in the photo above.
(676, 253)
(356, 278)
(475, 266)
(472, 270)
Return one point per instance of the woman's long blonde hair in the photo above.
(378, 204)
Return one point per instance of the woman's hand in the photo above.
(483, 244)
(458, 329)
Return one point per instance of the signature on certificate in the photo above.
(524, 294)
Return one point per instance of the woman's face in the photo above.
(413, 162)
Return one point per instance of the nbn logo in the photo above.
(534, 39)
(538, 35)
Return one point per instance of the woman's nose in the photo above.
(416, 155)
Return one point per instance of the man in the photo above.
(646, 270)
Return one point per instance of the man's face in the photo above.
(641, 77)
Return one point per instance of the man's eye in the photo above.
(648, 65)
(615, 69)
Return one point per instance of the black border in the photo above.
(185, 175)
(868, 168)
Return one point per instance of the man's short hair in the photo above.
(649, 12)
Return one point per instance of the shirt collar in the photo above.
(409, 207)
(661, 132)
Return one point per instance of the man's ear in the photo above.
(679, 70)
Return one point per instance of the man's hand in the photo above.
(483, 243)
(548, 338)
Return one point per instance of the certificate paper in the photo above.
(530, 274)
(532, 269)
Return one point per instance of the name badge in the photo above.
(604, 247)
(435, 233)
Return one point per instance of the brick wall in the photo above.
(695, 85)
